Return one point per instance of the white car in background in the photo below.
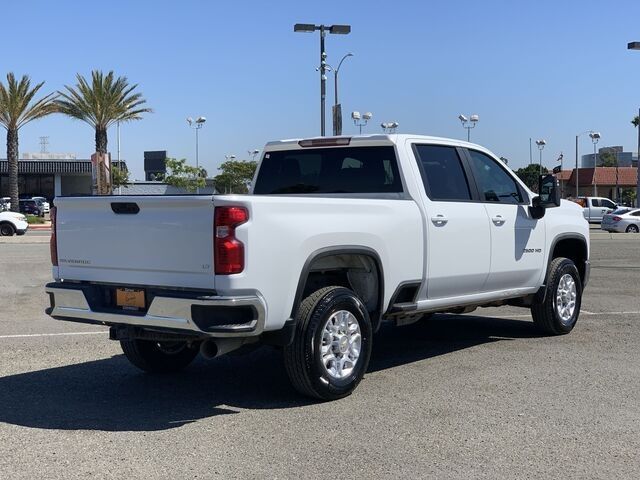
(12, 223)
(622, 220)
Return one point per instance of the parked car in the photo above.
(336, 235)
(45, 204)
(622, 220)
(594, 208)
(31, 207)
(5, 204)
(12, 223)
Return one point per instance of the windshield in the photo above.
(329, 170)
(621, 211)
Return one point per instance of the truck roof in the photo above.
(362, 140)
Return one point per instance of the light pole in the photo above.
(636, 46)
(228, 158)
(541, 143)
(595, 136)
(335, 29)
(361, 120)
(389, 127)
(337, 108)
(577, 166)
(197, 124)
(468, 123)
(253, 154)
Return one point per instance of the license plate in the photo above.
(129, 298)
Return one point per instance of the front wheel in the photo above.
(558, 314)
(332, 344)
(159, 357)
(7, 230)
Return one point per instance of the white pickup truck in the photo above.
(337, 235)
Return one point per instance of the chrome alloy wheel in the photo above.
(341, 343)
(566, 295)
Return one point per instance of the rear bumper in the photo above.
(201, 315)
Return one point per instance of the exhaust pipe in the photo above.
(216, 347)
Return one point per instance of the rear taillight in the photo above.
(616, 218)
(53, 242)
(228, 250)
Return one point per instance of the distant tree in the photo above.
(607, 159)
(181, 175)
(530, 175)
(636, 121)
(101, 103)
(628, 196)
(236, 176)
(17, 108)
(119, 177)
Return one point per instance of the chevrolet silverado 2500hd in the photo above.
(336, 235)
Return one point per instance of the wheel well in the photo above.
(360, 272)
(574, 249)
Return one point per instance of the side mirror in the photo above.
(549, 196)
(549, 189)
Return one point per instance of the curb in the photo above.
(39, 227)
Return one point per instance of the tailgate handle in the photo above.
(129, 208)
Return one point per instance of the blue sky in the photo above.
(544, 69)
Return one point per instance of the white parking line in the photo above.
(30, 335)
(584, 312)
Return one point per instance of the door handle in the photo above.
(498, 220)
(439, 220)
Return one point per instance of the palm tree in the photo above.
(102, 103)
(636, 121)
(17, 108)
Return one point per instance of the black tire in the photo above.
(545, 314)
(632, 229)
(303, 358)
(6, 230)
(159, 357)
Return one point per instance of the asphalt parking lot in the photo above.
(474, 396)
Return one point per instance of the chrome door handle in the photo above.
(439, 220)
(498, 220)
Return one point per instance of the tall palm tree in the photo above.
(17, 108)
(636, 121)
(101, 103)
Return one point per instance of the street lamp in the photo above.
(337, 108)
(636, 46)
(595, 136)
(468, 123)
(361, 120)
(389, 127)
(197, 124)
(333, 29)
(253, 153)
(577, 166)
(541, 143)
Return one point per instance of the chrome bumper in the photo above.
(69, 302)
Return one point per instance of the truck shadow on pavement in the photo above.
(111, 395)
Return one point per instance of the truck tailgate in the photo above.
(136, 240)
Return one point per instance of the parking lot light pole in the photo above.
(334, 29)
(469, 123)
(595, 136)
(337, 111)
(577, 167)
(541, 143)
(636, 46)
(197, 124)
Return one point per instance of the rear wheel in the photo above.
(7, 230)
(332, 344)
(159, 357)
(632, 229)
(559, 312)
